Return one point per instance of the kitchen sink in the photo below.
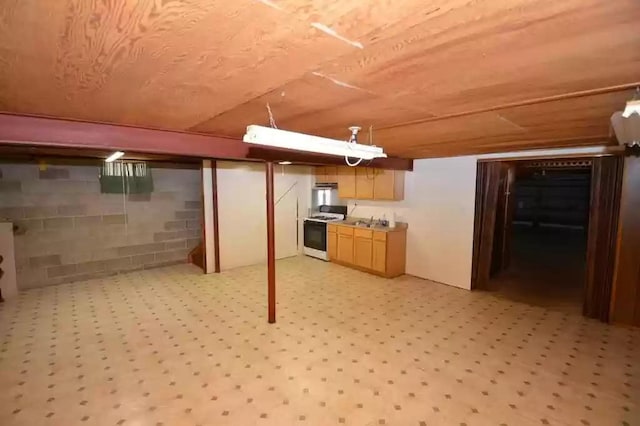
(362, 224)
(365, 224)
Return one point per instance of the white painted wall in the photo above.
(242, 211)
(439, 207)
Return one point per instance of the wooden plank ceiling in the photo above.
(432, 78)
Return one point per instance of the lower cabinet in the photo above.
(332, 243)
(379, 258)
(345, 248)
(362, 252)
(380, 252)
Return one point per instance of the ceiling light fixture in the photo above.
(626, 124)
(276, 138)
(113, 157)
(285, 163)
(632, 107)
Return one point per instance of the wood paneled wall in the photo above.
(625, 302)
(606, 174)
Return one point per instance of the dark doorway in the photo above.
(548, 236)
(545, 232)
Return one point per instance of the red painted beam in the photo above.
(271, 246)
(53, 133)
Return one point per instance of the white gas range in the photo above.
(315, 230)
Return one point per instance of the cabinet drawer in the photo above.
(332, 228)
(345, 230)
(363, 233)
(379, 236)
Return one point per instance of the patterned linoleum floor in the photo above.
(173, 347)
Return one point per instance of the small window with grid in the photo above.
(126, 177)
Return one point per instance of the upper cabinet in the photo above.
(364, 183)
(365, 178)
(327, 174)
(388, 185)
(331, 174)
(346, 182)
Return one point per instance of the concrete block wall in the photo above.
(73, 232)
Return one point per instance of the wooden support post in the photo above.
(216, 227)
(271, 245)
(210, 233)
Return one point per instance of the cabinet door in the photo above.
(346, 182)
(331, 174)
(364, 182)
(379, 259)
(332, 245)
(345, 248)
(362, 252)
(321, 175)
(384, 185)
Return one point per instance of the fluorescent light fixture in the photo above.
(284, 139)
(627, 130)
(113, 157)
(632, 107)
(285, 163)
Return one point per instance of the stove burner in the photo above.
(322, 217)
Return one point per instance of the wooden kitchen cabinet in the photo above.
(332, 242)
(345, 248)
(388, 185)
(321, 174)
(326, 174)
(364, 182)
(346, 182)
(362, 247)
(379, 256)
(362, 252)
(379, 252)
(331, 174)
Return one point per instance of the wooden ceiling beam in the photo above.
(563, 96)
(53, 133)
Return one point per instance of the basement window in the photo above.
(126, 177)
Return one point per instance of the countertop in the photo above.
(400, 226)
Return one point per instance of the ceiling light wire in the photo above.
(353, 139)
(370, 144)
(272, 121)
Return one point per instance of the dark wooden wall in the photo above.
(625, 302)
